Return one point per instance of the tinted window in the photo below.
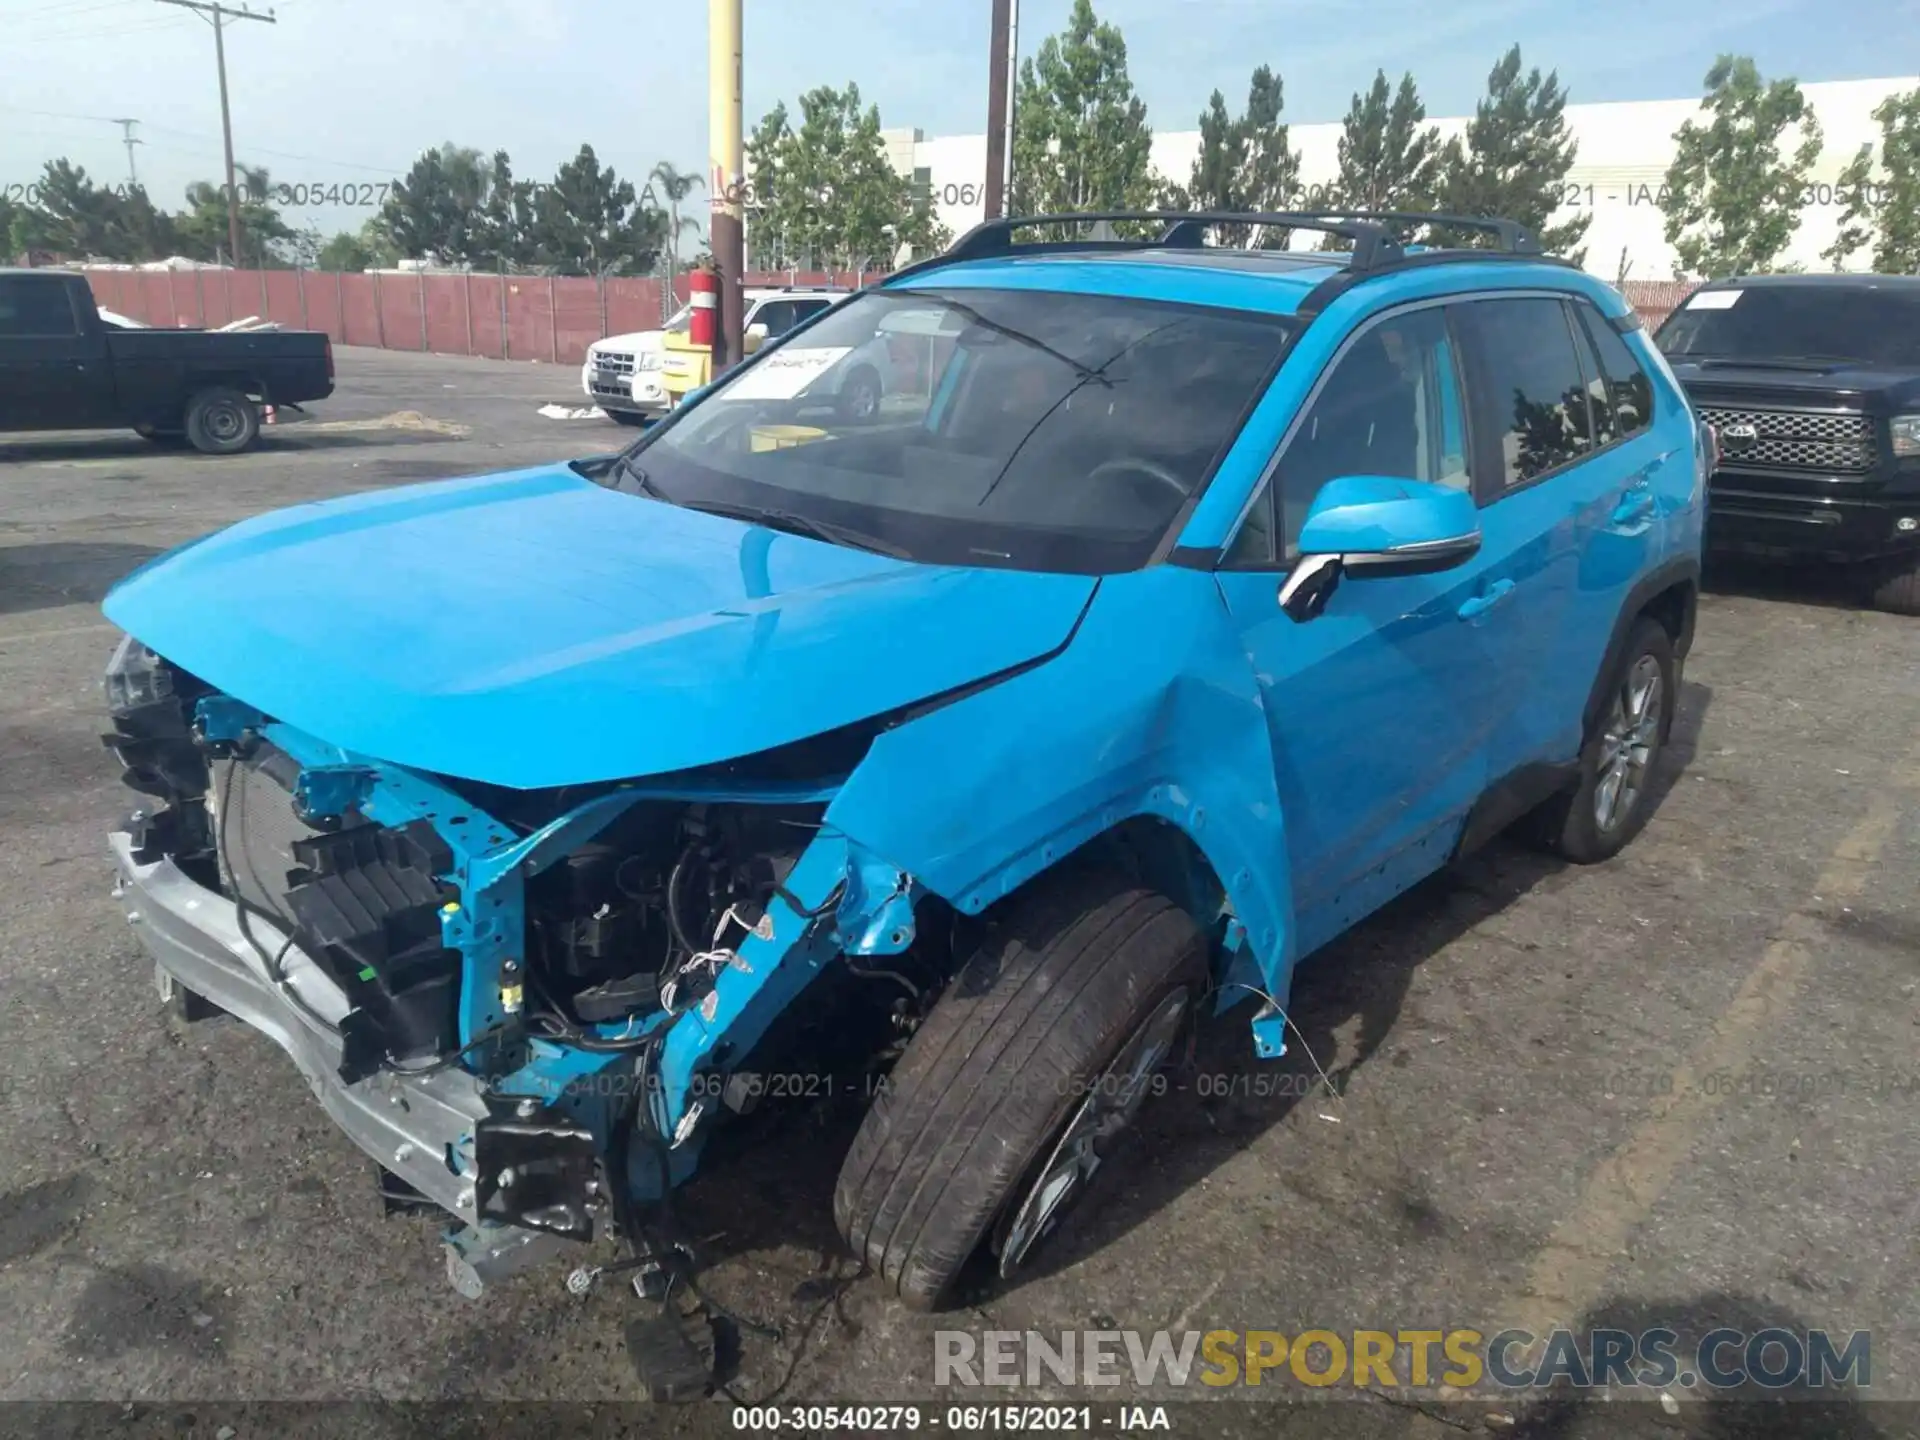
(776, 315)
(35, 306)
(1390, 406)
(1878, 325)
(807, 309)
(1532, 392)
(1040, 430)
(1622, 395)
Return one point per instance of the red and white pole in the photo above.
(703, 287)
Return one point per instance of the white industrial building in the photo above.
(1624, 151)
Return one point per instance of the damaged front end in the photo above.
(528, 1007)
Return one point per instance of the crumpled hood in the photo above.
(534, 629)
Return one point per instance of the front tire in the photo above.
(860, 396)
(1621, 754)
(222, 421)
(1039, 1054)
(1898, 589)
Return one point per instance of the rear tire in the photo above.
(1898, 589)
(222, 421)
(1002, 1074)
(1621, 755)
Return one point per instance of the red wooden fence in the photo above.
(511, 317)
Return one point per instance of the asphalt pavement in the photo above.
(1679, 1088)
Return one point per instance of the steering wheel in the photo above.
(1141, 465)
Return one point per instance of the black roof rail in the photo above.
(1514, 238)
(1372, 244)
(1375, 245)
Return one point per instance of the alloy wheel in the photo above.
(1112, 1099)
(1628, 743)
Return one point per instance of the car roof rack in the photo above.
(1375, 245)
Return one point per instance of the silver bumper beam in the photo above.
(413, 1125)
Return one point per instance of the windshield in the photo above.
(679, 320)
(1872, 325)
(1026, 429)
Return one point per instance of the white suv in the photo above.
(622, 372)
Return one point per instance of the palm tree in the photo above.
(675, 185)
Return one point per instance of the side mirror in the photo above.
(1374, 527)
(755, 337)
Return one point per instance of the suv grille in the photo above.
(618, 361)
(1819, 440)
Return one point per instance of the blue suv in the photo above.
(1173, 608)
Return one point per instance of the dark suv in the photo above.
(1813, 383)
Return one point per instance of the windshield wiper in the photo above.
(805, 525)
(1084, 372)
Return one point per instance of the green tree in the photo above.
(1389, 155)
(366, 249)
(674, 185)
(439, 211)
(1515, 159)
(1882, 206)
(1244, 163)
(503, 234)
(1081, 139)
(825, 194)
(1733, 194)
(202, 227)
(588, 222)
(76, 218)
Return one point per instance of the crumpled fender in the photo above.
(1152, 709)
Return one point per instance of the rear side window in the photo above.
(1622, 395)
(1532, 396)
(30, 306)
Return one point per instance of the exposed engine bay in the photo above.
(606, 969)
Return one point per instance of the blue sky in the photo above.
(352, 90)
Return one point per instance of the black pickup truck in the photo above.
(1812, 383)
(63, 367)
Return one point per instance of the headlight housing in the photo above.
(136, 678)
(1906, 436)
(647, 360)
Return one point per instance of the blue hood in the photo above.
(534, 629)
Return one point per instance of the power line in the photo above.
(102, 33)
(332, 162)
(214, 12)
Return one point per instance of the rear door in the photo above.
(1569, 514)
(54, 370)
(1379, 710)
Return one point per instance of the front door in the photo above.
(53, 375)
(1380, 708)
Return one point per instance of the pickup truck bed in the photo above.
(62, 367)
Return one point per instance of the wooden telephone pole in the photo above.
(214, 12)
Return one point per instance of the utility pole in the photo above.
(993, 191)
(214, 12)
(126, 131)
(725, 182)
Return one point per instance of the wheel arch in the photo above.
(1669, 594)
